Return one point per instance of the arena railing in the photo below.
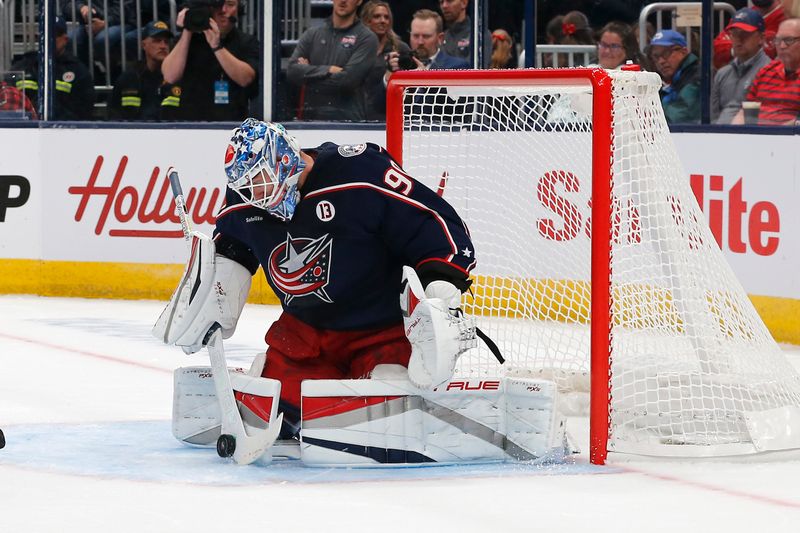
(19, 29)
(676, 12)
(295, 20)
(564, 55)
(104, 59)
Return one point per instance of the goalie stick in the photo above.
(234, 440)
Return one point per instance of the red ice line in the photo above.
(714, 488)
(101, 357)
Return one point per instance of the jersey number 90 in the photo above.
(398, 180)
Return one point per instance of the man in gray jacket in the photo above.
(733, 80)
(330, 64)
(458, 40)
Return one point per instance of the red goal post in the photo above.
(677, 360)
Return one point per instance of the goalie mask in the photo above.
(263, 165)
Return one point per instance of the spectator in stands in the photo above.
(150, 11)
(74, 89)
(731, 83)
(331, 63)
(553, 33)
(576, 29)
(570, 29)
(426, 41)
(377, 15)
(773, 14)
(216, 69)
(14, 104)
(103, 25)
(617, 45)
(458, 35)
(140, 92)
(777, 86)
(502, 50)
(680, 73)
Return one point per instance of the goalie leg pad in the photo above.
(196, 417)
(392, 423)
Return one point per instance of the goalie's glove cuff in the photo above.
(213, 289)
(223, 304)
(447, 292)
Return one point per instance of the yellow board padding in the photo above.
(127, 281)
(635, 306)
(781, 315)
(564, 300)
(567, 301)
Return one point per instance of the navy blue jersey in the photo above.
(337, 263)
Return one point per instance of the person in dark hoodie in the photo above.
(331, 63)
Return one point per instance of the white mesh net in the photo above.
(694, 371)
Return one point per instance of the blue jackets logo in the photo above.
(349, 150)
(301, 267)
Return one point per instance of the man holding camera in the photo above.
(214, 62)
(331, 63)
(426, 40)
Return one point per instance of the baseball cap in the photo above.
(156, 28)
(668, 38)
(59, 25)
(747, 19)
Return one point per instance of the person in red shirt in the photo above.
(14, 103)
(777, 85)
(773, 13)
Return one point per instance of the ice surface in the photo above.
(85, 403)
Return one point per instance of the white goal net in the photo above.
(680, 361)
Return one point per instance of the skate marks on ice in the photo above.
(146, 451)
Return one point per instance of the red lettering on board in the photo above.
(130, 205)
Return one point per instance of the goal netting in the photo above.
(595, 265)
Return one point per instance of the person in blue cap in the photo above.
(680, 73)
(140, 92)
(731, 83)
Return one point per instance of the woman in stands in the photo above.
(377, 16)
(502, 50)
(617, 45)
(575, 30)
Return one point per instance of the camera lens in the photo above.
(196, 19)
(404, 62)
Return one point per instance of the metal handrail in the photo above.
(661, 7)
(5, 29)
(571, 50)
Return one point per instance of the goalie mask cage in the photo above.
(595, 266)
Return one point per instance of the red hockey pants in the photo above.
(298, 351)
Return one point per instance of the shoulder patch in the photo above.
(350, 150)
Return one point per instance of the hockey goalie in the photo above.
(370, 267)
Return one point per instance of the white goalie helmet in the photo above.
(263, 164)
